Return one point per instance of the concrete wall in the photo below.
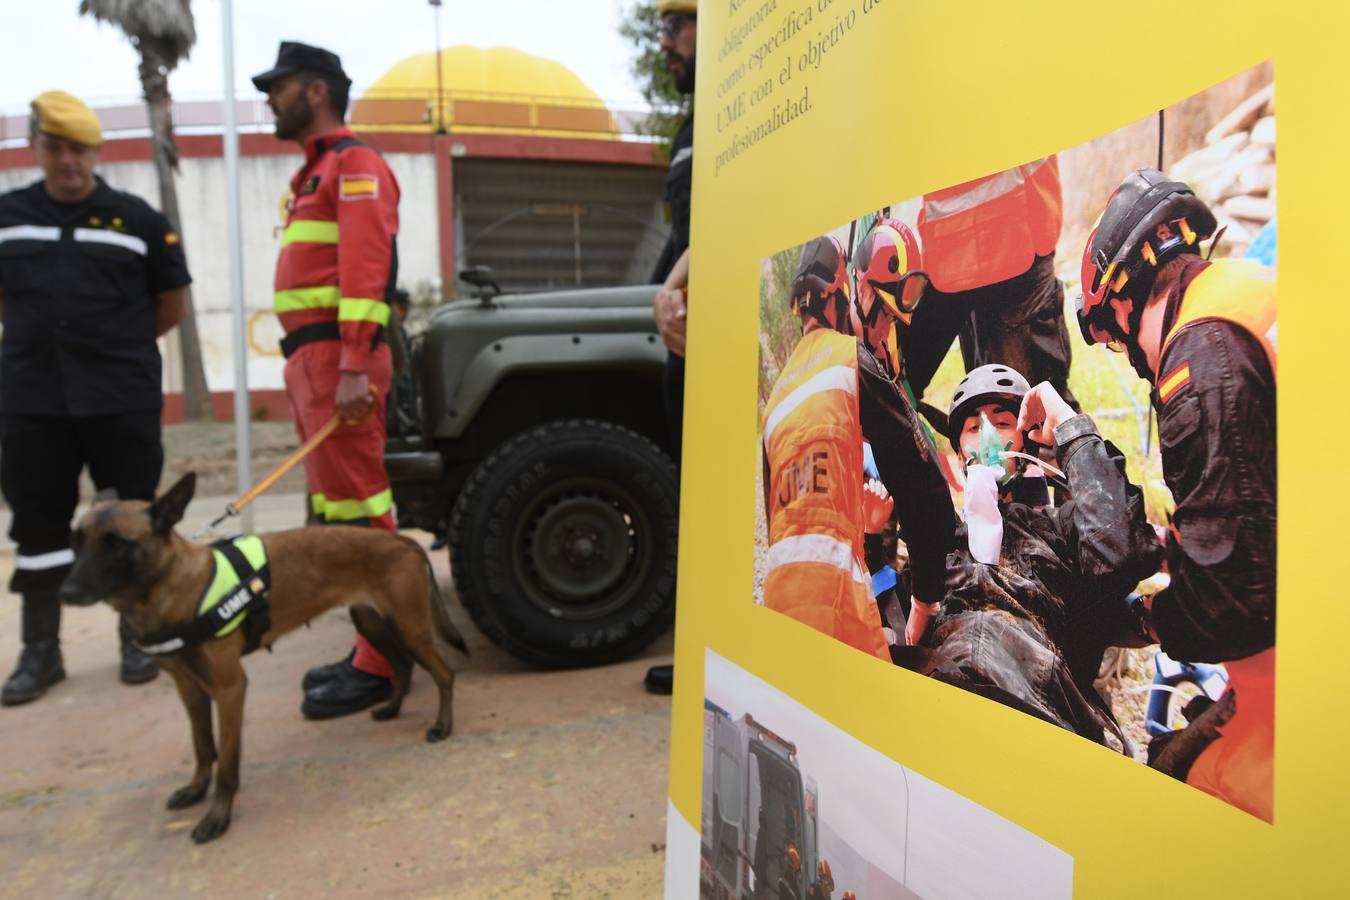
(264, 181)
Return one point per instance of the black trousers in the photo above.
(673, 386)
(40, 462)
(1017, 323)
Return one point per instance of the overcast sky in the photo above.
(55, 48)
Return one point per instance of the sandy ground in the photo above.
(553, 785)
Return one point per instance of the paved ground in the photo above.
(553, 785)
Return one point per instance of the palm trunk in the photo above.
(155, 83)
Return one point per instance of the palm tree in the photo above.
(163, 32)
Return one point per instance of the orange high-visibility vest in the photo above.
(1239, 768)
(993, 228)
(813, 444)
(1240, 291)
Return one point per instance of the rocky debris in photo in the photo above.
(1235, 171)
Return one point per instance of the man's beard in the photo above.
(684, 83)
(294, 119)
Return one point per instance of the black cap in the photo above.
(293, 56)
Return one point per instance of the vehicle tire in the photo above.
(563, 542)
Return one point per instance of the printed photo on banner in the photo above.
(1018, 435)
(793, 807)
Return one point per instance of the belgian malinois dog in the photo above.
(128, 554)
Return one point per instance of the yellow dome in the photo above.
(493, 89)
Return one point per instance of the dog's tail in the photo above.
(446, 628)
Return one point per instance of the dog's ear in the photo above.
(168, 508)
(107, 495)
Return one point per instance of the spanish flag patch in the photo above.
(1174, 381)
(359, 187)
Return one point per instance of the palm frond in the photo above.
(166, 23)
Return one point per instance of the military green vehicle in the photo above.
(528, 430)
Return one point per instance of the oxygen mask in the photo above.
(997, 454)
(993, 451)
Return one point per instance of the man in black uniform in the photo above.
(1204, 335)
(89, 278)
(679, 31)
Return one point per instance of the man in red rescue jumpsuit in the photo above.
(336, 271)
(1204, 335)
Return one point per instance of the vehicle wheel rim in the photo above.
(581, 547)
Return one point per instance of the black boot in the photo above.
(350, 692)
(324, 674)
(40, 661)
(137, 667)
(660, 679)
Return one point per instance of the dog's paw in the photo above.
(187, 796)
(438, 732)
(383, 713)
(210, 828)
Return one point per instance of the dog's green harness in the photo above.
(236, 596)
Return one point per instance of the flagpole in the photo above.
(243, 439)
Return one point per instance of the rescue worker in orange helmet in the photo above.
(831, 396)
(1204, 335)
(888, 267)
(989, 251)
(334, 277)
(823, 886)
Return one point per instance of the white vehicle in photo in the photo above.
(759, 829)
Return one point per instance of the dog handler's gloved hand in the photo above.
(984, 522)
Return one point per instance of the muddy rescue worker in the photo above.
(1204, 335)
(831, 396)
(89, 278)
(678, 36)
(1034, 593)
(989, 250)
(334, 278)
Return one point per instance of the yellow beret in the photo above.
(688, 7)
(66, 116)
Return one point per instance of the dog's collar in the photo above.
(235, 596)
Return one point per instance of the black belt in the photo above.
(320, 331)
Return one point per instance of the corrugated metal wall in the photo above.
(547, 225)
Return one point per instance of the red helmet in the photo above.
(824, 877)
(888, 266)
(821, 283)
(849, 895)
(1148, 221)
(794, 858)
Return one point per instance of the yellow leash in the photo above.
(237, 505)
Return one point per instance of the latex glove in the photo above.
(1042, 410)
(877, 506)
(920, 614)
(984, 522)
(671, 314)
